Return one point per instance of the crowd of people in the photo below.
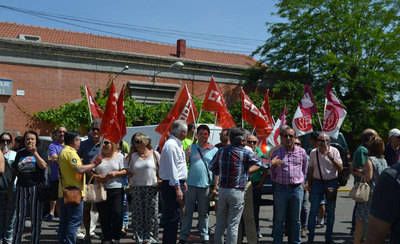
(189, 174)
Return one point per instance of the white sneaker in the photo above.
(80, 236)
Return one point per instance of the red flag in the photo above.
(302, 119)
(266, 111)
(334, 113)
(94, 108)
(253, 116)
(183, 109)
(214, 102)
(109, 124)
(121, 112)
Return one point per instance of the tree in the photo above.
(352, 42)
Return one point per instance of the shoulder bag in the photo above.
(72, 195)
(95, 192)
(330, 192)
(360, 191)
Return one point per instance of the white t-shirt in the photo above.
(112, 164)
(144, 170)
(328, 169)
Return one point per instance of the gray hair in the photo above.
(178, 126)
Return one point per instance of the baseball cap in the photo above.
(394, 132)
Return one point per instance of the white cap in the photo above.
(394, 132)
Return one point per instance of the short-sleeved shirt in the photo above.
(89, 150)
(360, 157)
(107, 165)
(232, 163)
(198, 174)
(256, 176)
(173, 162)
(55, 148)
(28, 171)
(69, 161)
(293, 170)
(328, 169)
(386, 200)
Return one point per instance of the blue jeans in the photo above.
(287, 201)
(70, 220)
(7, 216)
(316, 195)
(193, 195)
(229, 211)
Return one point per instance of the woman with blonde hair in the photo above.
(110, 172)
(370, 174)
(143, 164)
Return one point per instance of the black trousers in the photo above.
(110, 213)
(171, 213)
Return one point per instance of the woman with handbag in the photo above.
(143, 164)
(29, 166)
(71, 188)
(370, 174)
(110, 173)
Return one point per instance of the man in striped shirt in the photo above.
(232, 165)
(288, 171)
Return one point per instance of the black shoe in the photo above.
(182, 242)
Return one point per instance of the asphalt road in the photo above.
(344, 208)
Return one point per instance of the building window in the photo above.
(152, 93)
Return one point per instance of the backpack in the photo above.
(344, 174)
(7, 178)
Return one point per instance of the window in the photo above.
(152, 93)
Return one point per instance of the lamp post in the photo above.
(178, 65)
(112, 78)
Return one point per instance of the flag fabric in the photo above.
(334, 113)
(252, 115)
(94, 109)
(121, 112)
(109, 124)
(266, 110)
(214, 102)
(302, 119)
(274, 139)
(183, 109)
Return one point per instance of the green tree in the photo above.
(352, 42)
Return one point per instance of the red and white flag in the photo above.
(302, 119)
(334, 113)
(214, 102)
(252, 115)
(94, 109)
(274, 138)
(121, 112)
(109, 124)
(266, 110)
(183, 109)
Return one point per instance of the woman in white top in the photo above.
(110, 172)
(143, 167)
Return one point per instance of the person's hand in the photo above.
(185, 187)
(179, 196)
(306, 186)
(276, 161)
(97, 160)
(100, 178)
(31, 147)
(112, 174)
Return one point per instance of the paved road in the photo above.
(341, 230)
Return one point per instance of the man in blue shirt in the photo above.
(232, 165)
(198, 181)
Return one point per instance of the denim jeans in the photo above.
(287, 203)
(305, 209)
(7, 216)
(193, 195)
(316, 195)
(70, 220)
(229, 211)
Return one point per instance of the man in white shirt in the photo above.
(325, 163)
(173, 173)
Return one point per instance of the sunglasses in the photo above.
(106, 143)
(322, 140)
(252, 142)
(138, 141)
(5, 140)
(288, 136)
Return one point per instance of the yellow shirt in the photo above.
(69, 161)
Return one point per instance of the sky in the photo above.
(225, 25)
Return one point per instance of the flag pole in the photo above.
(88, 103)
(198, 118)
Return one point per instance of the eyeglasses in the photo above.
(105, 143)
(5, 140)
(288, 136)
(138, 141)
(252, 142)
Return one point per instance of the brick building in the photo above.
(43, 68)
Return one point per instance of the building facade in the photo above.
(43, 68)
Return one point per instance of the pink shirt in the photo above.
(294, 167)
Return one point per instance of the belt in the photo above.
(290, 185)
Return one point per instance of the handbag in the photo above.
(360, 192)
(95, 192)
(72, 195)
(330, 192)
